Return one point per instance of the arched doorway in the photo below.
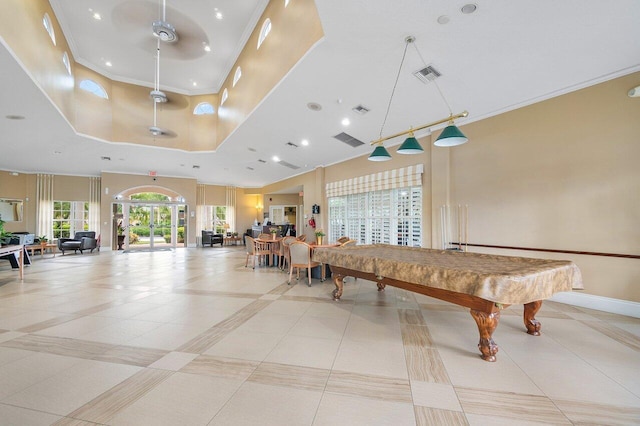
(149, 218)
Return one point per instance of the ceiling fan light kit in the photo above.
(165, 31)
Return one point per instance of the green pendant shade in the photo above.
(380, 154)
(410, 146)
(450, 136)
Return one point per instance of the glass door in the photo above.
(151, 226)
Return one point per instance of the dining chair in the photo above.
(348, 243)
(284, 251)
(300, 253)
(342, 239)
(264, 236)
(302, 237)
(256, 249)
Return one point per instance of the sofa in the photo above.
(82, 240)
(209, 238)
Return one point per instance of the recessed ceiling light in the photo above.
(275, 158)
(14, 117)
(108, 63)
(313, 106)
(444, 19)
(218, 15)
(346, 121)
(207, 48)
(97, 16)
(469, 8)
(195, 83)
(304, 142)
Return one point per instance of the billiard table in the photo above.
(484, 283)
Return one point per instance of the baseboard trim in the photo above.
(599, 303)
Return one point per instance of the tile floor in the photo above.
(192, 337)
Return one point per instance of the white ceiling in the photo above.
(505, 55)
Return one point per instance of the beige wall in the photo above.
(118, 183)
(560, 174)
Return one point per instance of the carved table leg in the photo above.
(487, 323)
(530, 311)
(337, 280)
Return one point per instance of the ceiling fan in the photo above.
(166, 33)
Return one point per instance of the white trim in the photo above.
(600, 303)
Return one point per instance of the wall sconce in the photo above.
(450, 136)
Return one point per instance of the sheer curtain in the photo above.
(201, 212)
(231, 208)
(44, 205)
(94, 205)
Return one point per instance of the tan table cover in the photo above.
(500, 279)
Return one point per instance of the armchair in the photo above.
(82, 240)
(208, 237)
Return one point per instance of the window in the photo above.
(225, 95)
(392, 216)
(216, 218)
(70, 217)
(66, 62)
(203, 108)
(46, 21)
(264, 31)
(93, 87)
(237, 76)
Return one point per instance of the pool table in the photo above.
(484, 283)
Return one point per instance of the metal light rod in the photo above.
(435, 123)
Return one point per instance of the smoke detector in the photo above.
(158, 96)
(165, 31)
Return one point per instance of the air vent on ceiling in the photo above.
(250, 168)
(252, 149)
(261, 160)
(291, 144)
(105, 158)
(361, 109)
(195, 166)
(348, 139)
(427, 74)
(289, 165)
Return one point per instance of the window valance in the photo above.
(389, 179)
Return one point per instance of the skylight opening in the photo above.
(66, 62)
(225, 95)
(46, 21)
(93, 87)
(264, 31)
(237, 76)
(203, 108)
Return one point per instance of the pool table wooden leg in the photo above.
(487, 323)
(337, 280)
(530, 311)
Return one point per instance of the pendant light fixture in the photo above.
(166, 33)
(450, 136)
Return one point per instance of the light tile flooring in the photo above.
(192, 337)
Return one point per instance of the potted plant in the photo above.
(5, 237)
(274, 232)
(43, 239)
(319, 234)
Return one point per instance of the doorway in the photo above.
(149, 226)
